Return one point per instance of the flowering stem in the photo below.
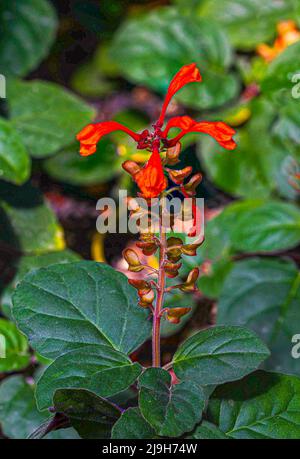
(159, 297)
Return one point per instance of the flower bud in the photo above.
(173, 154)
(148, 248)
(190, 249)
(174, 315)
(178, 176)
(171, 269)
(174, 254)
(190, 187)
(141, 285)
(146, 299)
(190, 284)
(131, 167)
(132, 258)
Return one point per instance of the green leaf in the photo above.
(100, 369)
(146, 42)
(91, 416)
(132, 425)
(27, 31)
(29, 262)
(207, 431)
(219, 354)
(262, 226)
(17, 402)
(69, 167)
(247, 171)
(47, 116)
(27, 222)
(262, 405)
(264, 295)
(16, 352)
(14, 161)
(247, 22)
(170, 410)
(211, 284)
(279, 77)
(64, 307)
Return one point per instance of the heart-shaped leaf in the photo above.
(67, 306)
(47, 116)
(170, 409)
(99, 369)
(132, 425)
(27, 31)
(91, 416)
(219, 354)
(262, 406)
(264, 295)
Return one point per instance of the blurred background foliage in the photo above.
(69, 63)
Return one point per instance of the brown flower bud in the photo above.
(146, 299)
(190, 284)
(178, 176)
(148, 248)
(147, 237)
(171, 269)
(190, 249)
(131, 167)
(174, 254)
(141, 285)
(173, 154)
(190, 187)
(174, 314)
(132, 258)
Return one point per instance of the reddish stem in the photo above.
(159, 297)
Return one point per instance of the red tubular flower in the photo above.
(220, 131)
(92, 133)
(151, 179)
(187, 74)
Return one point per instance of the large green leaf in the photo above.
(91, 416)
(132, 425)
(261, 226)
(47, 116)
(150, 49)
(170, 409)
(14, 160)
(17, 354)
(19, 416)
(27, 222)
(219, 354)
(29, 262)
(264, 295)
(67, 306)
(262, 405)
(27, 32)
(100, 369)
(247, 22)
(69, 167)
(252, 169)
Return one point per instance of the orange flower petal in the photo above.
(150, 179)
